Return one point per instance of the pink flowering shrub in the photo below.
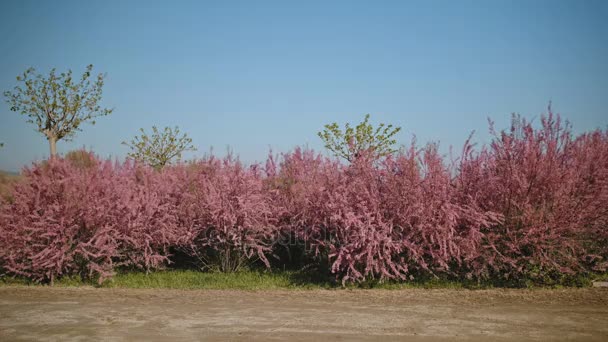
(550, 190)
(228, 217)
(381, 221)
(50, 229)
(533, 204)
(71, 220)
(591, 161)
(439, 224)
(145, 216)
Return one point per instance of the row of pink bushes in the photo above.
(533, 202)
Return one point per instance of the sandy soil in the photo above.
(85, 314)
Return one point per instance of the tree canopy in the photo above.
(362, 140)
(159, 148)
(59, 103)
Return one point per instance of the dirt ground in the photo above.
(85, 314)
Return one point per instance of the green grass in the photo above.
(251, 280)
(266, 280)
(246, 280)
(188, 279)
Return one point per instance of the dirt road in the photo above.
(86, 314)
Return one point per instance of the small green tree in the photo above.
(361, 140)
(161, 147)
(58, 104)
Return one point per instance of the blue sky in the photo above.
(258, 74)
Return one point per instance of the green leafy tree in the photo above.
(161, 147)
(58, 104)
(352, 143)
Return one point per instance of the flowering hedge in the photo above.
(534, 202)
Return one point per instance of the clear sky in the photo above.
(258, 74)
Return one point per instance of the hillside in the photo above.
(6, 179)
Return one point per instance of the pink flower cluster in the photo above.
(64, 219)
(534, 201)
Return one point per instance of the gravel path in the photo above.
(85, 314)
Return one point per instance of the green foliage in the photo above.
(363, 139)
(161, 147)
(188, 279)
(295, 280)
(58, 104)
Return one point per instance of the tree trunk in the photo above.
(53, 145)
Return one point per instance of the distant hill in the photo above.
(9, 173)
(6, 179)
